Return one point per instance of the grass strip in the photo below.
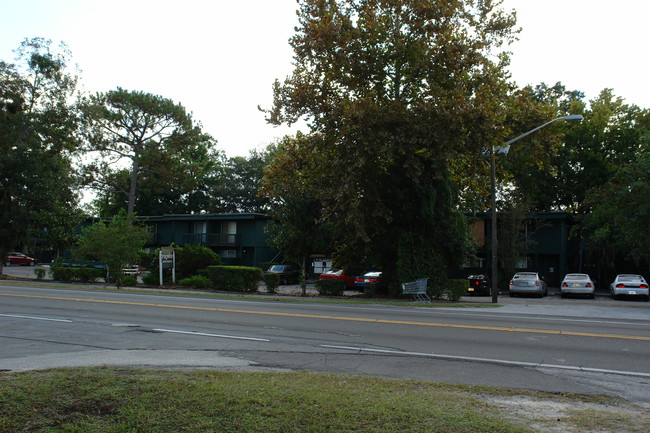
(121, 400)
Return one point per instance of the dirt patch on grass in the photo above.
(568, 415)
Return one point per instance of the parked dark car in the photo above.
(368, 278)
(338, 274)
(288, 273)
(20, 259)
(478, 285)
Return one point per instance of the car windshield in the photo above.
(576, 277)
(631, 278)
(525, 275)
(277, 268)
(334, 272)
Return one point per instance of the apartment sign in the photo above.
(167, 260)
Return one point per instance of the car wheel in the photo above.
(32, 264)
(7, 263)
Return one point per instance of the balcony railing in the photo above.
(212, 240)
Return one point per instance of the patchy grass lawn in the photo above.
(103, 400)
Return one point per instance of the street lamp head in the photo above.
(573, 117)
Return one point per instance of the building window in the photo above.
(229, 254)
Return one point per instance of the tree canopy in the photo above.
(38, 124)
(392, 91)
(166, 151)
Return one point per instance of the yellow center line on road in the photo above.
(327, 317)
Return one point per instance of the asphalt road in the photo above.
(552, 344)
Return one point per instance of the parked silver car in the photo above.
(629, 285)
(528, 283)
(577, 284)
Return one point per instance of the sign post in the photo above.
(166, 260)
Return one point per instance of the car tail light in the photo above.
(512, 282)
(643, 286)
(537, 283)
(620, 286)
(565, 285)
(476, 283)
(588, 285)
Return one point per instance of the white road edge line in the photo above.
(36, 318)
(493, 361)
(204, 334)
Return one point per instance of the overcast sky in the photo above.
(219, 58)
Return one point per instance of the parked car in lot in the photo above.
(288, 273)
(367, 278)
(629, 285)
(478, 285)
(20, 259)
(528, 283)
(339, 274)
(577, 284)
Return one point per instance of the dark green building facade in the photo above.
(238, 238)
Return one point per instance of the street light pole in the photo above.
(504, 151)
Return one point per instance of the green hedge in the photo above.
(456, 289)
(330, 287)
(272, 282)
(235, 278)
(85, 275)
(195, 281)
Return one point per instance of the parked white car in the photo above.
(528, 283)
(577, 284)
(629, 285)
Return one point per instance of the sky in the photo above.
(219, 58)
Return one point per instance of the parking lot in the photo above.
(602, 296)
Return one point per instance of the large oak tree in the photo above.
(392, 91)
(38, 122)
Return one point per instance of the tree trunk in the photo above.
(132, 187)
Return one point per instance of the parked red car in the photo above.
(338, 274)
(20, 259)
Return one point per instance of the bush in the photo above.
(272, 282)
(190, 259)
(195, 281)
(40, 273)
(330, 287)
(129, 280)
(85, 275)
(151, 279)
(235, 278)
(456, 289)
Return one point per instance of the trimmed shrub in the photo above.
(85, 275)
(61, 273)
(272, 282)
(456, 289)
(330, 287)
(129, 280)
(235, 278)
(88, 275)
(151, 279)
(40, 273)
(192, 258)
(195, 281)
